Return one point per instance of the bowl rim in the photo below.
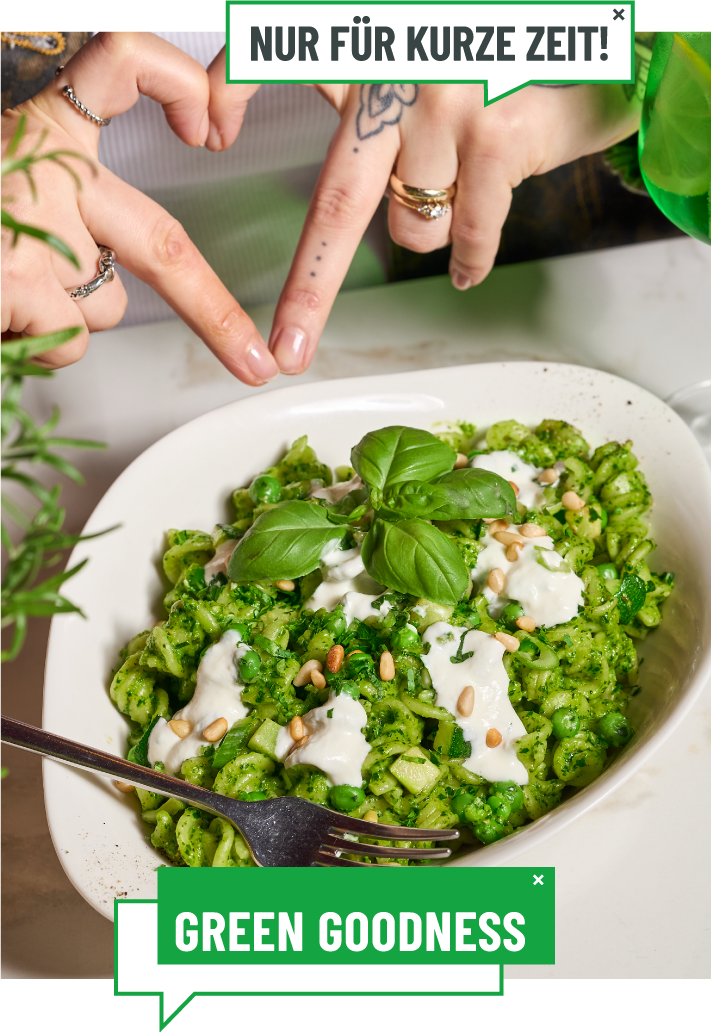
(322, 397)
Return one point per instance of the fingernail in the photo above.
(203, 130)
(214, 140)
(460, 281)
(290, 349)
(261, 363)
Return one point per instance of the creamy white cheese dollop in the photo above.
(511, 467)
(345, 579)
(485, 672)
(335, 743)
(220, 560)
(547, 593)
(218, 693)
(336, 492)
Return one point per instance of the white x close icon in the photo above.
(538, 879)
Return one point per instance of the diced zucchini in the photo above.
(415, 771)
(450, 739)
(264, 739)
(235, 741)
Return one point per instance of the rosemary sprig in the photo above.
(34, 541)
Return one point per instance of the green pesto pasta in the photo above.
(565, 640)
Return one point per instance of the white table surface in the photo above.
(633, 897)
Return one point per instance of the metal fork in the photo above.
(283, 832)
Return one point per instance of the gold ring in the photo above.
(431, 203)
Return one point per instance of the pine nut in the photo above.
(317, 679)
(461, 461)
(573, 501)
(284, 585)
(355, 652)
(496, 580)
(496, 526)
(531, 530)
(335, 658)
(526, 623)
(387, 667)
(305, 673)
(493, 738)
(372, 816)
(181, 728)
(123, 787)
(465, 702)
(216, 730)
(514, 487)
(507, 538)
(548, 476)
(510, 643)
(296, 729)
(514, 551)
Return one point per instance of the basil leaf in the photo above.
(414, 557)
(398, 453)
(631, 596)
(287, 541)
(414, 498)
(471, 494)
(139, 752)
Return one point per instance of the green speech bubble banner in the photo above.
(317, 916)
(334, 932)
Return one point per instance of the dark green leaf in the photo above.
(285, 542)
(473, 494)
(139, 752)
(631, 596)
(414, 498)
(19, 229)
(24, 348)
(414, 557)
(398, 453)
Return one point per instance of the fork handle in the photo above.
(36, 739)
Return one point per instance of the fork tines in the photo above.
(392, 832)
(335, 845)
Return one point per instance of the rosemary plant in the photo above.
(33, 538)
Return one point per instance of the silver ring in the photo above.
(107, 260)
(69, 93)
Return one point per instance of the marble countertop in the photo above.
(633, 899)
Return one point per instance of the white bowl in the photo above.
(185, 479)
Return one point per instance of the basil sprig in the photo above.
(416, 558)
(284, 542)
(409, 481)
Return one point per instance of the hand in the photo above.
(431, 136)
(107, 76)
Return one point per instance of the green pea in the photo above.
(511, 791)
(510, 615)
(346, 798)
(489, 831)
(615, 729)
(565, 722)
(608, 571)
(265, 489)
(405, 639)
(249, 666)
(461, 802)
(603, 517)
(335, 623)
(500, 806)
(349, 688)
(358, 665)
(252, 797)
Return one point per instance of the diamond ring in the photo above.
(430, 203)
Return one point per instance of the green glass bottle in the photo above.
(675, 134)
